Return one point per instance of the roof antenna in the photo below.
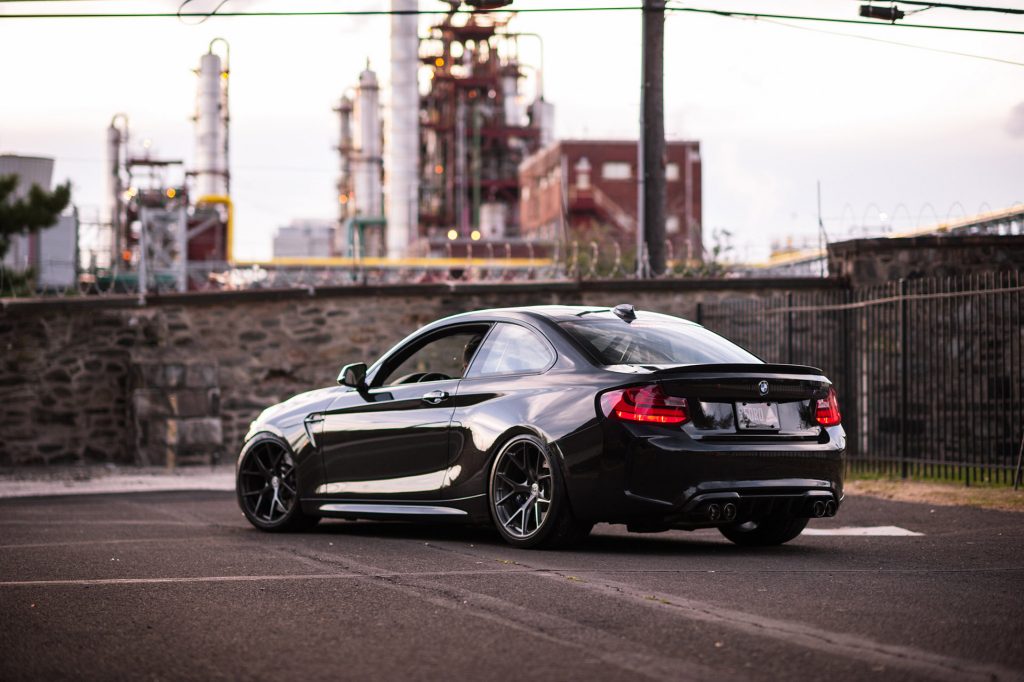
(625, 312)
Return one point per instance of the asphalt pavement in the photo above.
(176, 585)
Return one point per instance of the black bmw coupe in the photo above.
(546, 420)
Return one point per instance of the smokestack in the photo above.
(402, 163)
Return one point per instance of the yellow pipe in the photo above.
(400, 262)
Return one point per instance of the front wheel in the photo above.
(267, 492)
(528, 501)
(764, 532)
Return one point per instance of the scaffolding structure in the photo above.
(476, 127)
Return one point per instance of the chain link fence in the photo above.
(484, 263)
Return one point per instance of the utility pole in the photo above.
(651, 148)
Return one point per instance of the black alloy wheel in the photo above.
(775, 530)
(267, 492)
(527, 497)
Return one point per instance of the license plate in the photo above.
(757, 416)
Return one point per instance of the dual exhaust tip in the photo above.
(721, 512)
(727, 512)
(821, 508)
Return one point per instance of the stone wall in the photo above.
(180, 378)
(867, 262)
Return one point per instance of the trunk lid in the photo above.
(747, 402)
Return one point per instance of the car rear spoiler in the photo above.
(740, 368)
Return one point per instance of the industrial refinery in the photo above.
(447, 170)
(162, 217)
(438, 160)
(429, 175)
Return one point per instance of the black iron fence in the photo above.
(929, 372)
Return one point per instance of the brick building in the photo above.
(597, 180)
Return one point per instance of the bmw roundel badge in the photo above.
(763, 387)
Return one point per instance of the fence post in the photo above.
(904, 371)
(700, 313)
(848, 373)
(789, 327)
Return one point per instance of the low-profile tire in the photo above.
(266, 487)
(527, 497)
(776, 530)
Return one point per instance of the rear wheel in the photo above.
(267, 492)
(527, 497)
(764, 532)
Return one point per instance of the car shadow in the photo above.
(605, 540)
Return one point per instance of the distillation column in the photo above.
(366, 161)
(113, 208)
(211, 171)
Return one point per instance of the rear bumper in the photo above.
(652, 478)
(738, 506)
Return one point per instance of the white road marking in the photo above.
(869, 531)
(89, 582)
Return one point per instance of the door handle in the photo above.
(308, 422)
(435, 397)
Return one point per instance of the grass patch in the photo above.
(946, 494)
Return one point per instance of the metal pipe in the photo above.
(904, 379)
(460, 165)
(477, 169)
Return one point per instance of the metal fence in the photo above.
(929, 372)
(93, 275)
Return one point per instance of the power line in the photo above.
(313, 13)
(832, 20)
(535, 10)
(894, 42)
(946, 5)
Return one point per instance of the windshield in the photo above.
(654, 340)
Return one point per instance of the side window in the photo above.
(439, 359)
(511, 349)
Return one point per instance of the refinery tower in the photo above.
(451, 148)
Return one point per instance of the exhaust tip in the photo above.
(818, 509)
(729, 511)
(714, 512)
(830, 508)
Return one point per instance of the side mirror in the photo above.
(353, 375)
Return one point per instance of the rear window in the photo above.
(654, 340)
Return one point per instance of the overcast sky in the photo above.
(894, 133)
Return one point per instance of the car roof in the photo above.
(554, 313)
(551, 312)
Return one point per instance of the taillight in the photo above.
(827, 412)
(645, 404)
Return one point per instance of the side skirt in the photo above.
(463, 510)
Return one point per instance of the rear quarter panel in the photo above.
(558, 407)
